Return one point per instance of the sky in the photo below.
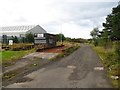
(74, 18)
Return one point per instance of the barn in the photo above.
(40, 35)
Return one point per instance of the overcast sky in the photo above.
(74, 18)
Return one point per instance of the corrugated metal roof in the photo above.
(17, 28)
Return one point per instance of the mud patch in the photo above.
(24, 79)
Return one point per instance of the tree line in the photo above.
(111, 31)
(28, 38)
(61, 37)
(110, 35)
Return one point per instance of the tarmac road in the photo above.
(81, 69)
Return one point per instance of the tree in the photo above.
(15, 40)
(23, 40)
(68, 39)
(105, 40)
(112, 24)
(94, 33)
(4, 37)
(60, 37)
(112, 28)
(29, 38)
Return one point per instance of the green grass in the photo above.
(10, 56)
(0, 57)
(110, 62)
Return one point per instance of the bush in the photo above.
(70, 50)
(29, 38)
(117, 51)
(18, 47)
(15, 39)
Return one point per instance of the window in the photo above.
(35, 35)
(40, 35)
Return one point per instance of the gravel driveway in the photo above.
(81, 69)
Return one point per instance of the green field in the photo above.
(9, 56)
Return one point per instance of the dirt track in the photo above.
(82, 69)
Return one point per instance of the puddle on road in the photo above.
(98, 68)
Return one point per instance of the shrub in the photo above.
(18, 47)
(30, 38)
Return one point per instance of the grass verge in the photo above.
(9, 57)
(111, 64)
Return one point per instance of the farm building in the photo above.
(40, 35)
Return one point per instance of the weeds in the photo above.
(66, 52)
(111, 62)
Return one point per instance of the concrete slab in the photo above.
(41, 55)
(28, 59)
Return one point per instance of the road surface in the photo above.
(81, 69)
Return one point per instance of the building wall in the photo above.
(48, 39)
(51, 39)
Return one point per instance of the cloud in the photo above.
(76, 18)
(21, 20)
